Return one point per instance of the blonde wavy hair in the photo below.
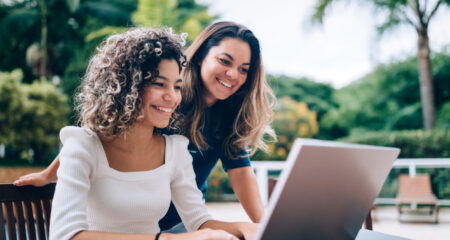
(241, 121)
(110, 97)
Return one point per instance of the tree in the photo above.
(318, 96)
(50, 32)
(183, 15)
(386, 99)
(417, 14)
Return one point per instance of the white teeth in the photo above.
(168, 110)
(225, 84)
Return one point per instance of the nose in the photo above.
(169, 95)
(233, 73)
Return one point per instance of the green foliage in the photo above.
(318, 96)
(443, 117)
(11, 101)
(218, 184)
(292, 120)
(413, 143)
(33, 115)
(389, 98)
(183, 15)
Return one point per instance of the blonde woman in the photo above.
(227, 111)
(117, 174)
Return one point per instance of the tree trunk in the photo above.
(426, 79)
(44, 32)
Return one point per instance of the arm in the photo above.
(243, 230)
(205, 234)
(244, 184)
(41, 178)
(188, 199)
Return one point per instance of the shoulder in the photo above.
(78, 140)
(70, 133)
(80, 150)
(176, 141)
(177, 151)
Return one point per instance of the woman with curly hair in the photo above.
(117, 174)
(226, 111)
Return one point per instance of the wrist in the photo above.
(166, 236)
(47, 175)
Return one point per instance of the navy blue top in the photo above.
(203, 163)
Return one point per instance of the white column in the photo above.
(412, 169)
(2, 151)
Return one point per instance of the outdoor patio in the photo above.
(384, 220)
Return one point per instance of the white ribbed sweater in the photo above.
(90, 195)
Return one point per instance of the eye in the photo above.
(224, 61)
(157, 84)
(244, 70)
(178, 88)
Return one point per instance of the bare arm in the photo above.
(205, 234)
(244, 184)
(243, 230)
(41, 178)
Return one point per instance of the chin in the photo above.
(162, 125)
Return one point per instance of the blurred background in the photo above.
(341, 70)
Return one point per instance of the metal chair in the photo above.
(25, 211)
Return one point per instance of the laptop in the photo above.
(325, 190)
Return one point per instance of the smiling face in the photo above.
(224, 69)
(161, 97)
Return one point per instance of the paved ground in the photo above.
(385, 221)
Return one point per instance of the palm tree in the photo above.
(41, 27)
(418, 14)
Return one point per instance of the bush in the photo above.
(413, 144)
(31, 117)
(292, 120)
(218, 184)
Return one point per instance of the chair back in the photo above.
(414, 186)
(25, 211)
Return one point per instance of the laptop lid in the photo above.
(325, 190)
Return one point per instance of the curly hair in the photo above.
(109, 99)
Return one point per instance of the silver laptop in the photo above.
(325, 190)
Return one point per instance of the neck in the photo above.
(209, 100)
(136, 140)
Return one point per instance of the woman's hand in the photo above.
(38, 179)
(203, 234)
(248, 230)
(41, 178)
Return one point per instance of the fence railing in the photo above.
(262, 169)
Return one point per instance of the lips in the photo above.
(165, 110)
(227, 85)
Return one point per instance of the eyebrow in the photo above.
(165, 79)
(228, 55)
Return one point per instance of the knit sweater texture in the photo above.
(90, 195)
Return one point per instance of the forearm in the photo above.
(204, 234)
(244, 184)
(231, 227)
(50, 171)
(88, 235)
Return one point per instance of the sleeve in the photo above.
(242, 160)
(77, 158)
(187, 198)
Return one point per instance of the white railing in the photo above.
(262, 169)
